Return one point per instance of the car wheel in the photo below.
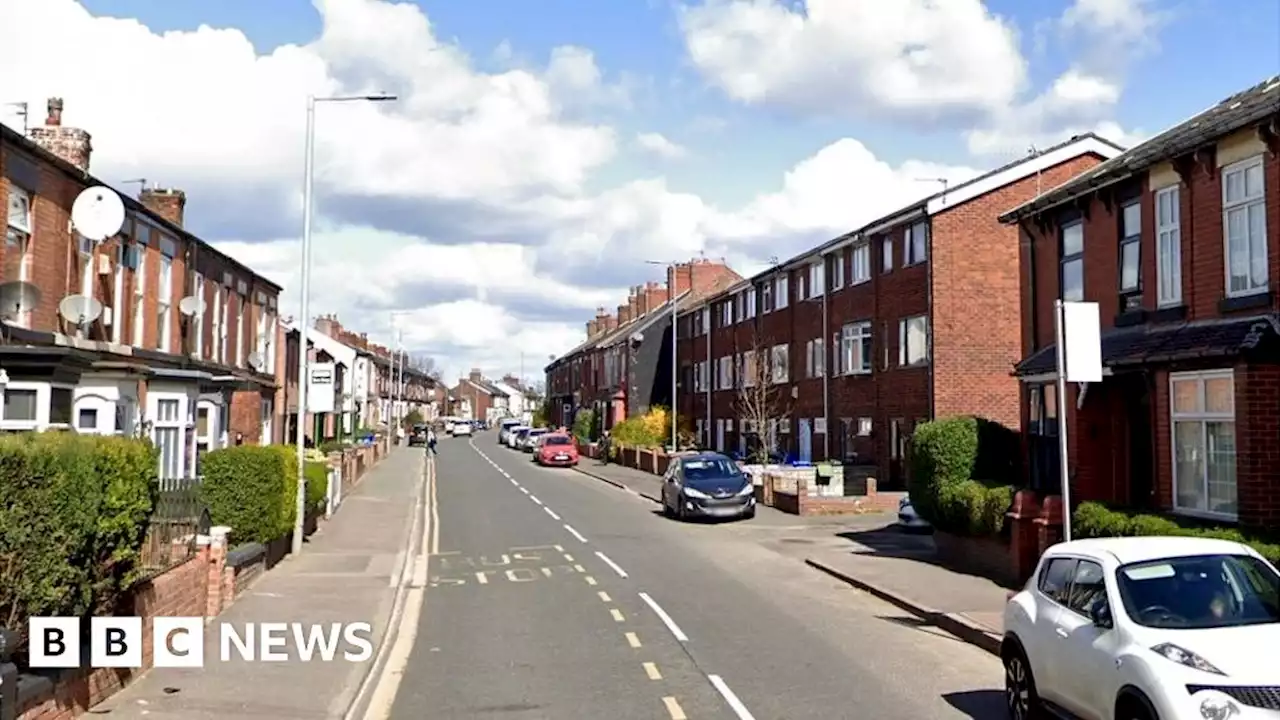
(750, 513)
(1020, 697)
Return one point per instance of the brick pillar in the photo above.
(1049, 524)
(1024, 532)
(217, 559)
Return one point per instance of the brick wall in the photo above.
(246, 416)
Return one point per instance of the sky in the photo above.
(540, 157)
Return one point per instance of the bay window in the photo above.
(1202, 409)
(1244, 220)
(169, 433)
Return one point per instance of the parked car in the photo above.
(504, 430)
(462, 429)
(556, 449)
(707, 484)
(908, 519)
(530, 440)
(418, 434)
(517, 436)
(1145, 628)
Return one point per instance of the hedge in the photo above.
(73, 520)
(251, 488)
(317, 474)
(962, 470)
(1095, 520)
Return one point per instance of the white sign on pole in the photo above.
(320, 388)
(1082, 341)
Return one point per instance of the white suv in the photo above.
(1145, 628)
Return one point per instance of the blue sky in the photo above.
(489, 188)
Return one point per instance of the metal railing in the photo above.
(178, 519)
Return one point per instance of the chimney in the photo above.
(169, 203)
(605, 321)
(71, 144)
(476, 376)
(624, 315)
(329, 325)
(655, 295)
(593, 328)
(680, 277)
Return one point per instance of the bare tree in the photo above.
(759, 399)
(426, 365)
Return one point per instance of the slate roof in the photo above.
(1236, 112)
(1127, 347)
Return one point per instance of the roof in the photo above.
(132, 204)
(1236, 112)
(1088, 143)
(344, 354)
(491, 388)
(1144, 549)
(644, 322)
(1131, 346)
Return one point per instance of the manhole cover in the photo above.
(797, 541)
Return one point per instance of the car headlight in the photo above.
(748, 489)
(1218, 707)
(1185, 657)
(690, 492)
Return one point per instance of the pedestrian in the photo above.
(606, 443)
(431, 441)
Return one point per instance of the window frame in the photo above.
(164, 305)
(1129, 239)
(904, 334)
(815, 358)
(860, 263)
(1172, 231)
(915, 244)
(780, 364)
(856, 341)
(836, 271)
(1065, 259)
(1203, 417)
(886, 254)
(817, 284)
(781, 292)
(1245, 203)
(24, 236)
(140, 298)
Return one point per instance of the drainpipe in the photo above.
(826, 374)
(711, 370)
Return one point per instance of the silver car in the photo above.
(530, 440)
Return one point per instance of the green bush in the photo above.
(251, 489)
(945, 457)
(334, 446)
(1093, 520)
(73, 520)
(585, 427)
(317, 474)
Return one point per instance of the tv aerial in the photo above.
(18, 297)
(79, 310)
(97, 213)
(191, 306)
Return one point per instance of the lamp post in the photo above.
(305, 300)
(671, 298)
(397, 376)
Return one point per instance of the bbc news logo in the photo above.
(179, 642)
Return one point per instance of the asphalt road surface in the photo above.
(554, 595)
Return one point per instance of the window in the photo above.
(87, 420)
(861, 264)
(725, 372)
(1072, 271)
(1055, 579)
(766, 296)
(1244, 220)
(1087, 586)
(224, 330)
(864, 427)
(61, 402)
(20, 405)
(913, 340)
(855, 348)
(781, 295)
(836, 273)
(1130, 244)
(704, 321)
(779, 364)
(726, 313)
(164, 302)
(814, 356)
(886, 251)
(219, 337)
(896, 439)
(1204, 442)
(17, 247)
(117, 294)
(750, 368)
(168, 433)
(1169, 246)
(915, 243)
(751, 303)
(268, 414)
(267, 336)
(817, 283)
(241, 301)
(139, 297)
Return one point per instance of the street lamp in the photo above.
(397, 379)
(671, 298)
(305, 301)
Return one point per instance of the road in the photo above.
(553, 595)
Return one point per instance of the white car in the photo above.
(513, 435)
(504, 430)
(1145, 628)
(462, 429)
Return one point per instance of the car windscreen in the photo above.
(1200, 592)
(536, 433)
(557, 440)
(701, 471)
(522, 433)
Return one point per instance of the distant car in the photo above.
(1145, 628)
(707, 485)
(909, 519)
(556, 449)
(504, 430)
(530, 441)
(462, 429)
(418, 435)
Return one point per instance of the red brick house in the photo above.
(1177, 241)
(624, 366)
(914, 316)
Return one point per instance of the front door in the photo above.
(806, 440)
(897, 447)
(1137, 394)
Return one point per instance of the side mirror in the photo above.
(1100, 613)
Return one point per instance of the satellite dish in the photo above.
(79, 309)
(18, 297)
(97, 213)
(255, 361)
(191, 306)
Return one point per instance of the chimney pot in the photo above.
(171, 204)
(55, 112)
(71, 144)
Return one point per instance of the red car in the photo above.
(557, 449)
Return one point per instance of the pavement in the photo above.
(347, 572)
(552, 594)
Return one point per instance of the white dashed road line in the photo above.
(608, 561)
(665, 618)
(575, 533)
(551, 512)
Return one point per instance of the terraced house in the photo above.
(1177, 241)
(191, 376)
(913, 316)
(624, 366)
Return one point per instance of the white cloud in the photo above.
(659, 145)
(499, 151)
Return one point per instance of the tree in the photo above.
(759, 399)
(426, 365)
